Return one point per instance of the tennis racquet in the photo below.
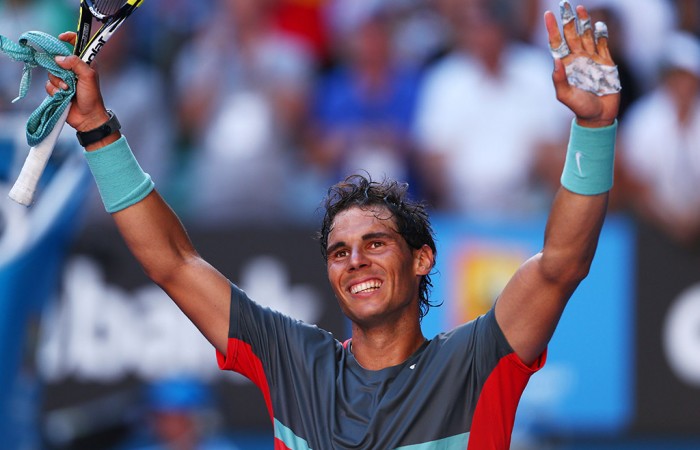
(111, 13)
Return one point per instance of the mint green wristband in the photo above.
(590, 159)
(118, 175)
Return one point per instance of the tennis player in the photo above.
(388, 386)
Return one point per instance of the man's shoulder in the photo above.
(471, 328)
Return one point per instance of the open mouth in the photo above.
(365, 287)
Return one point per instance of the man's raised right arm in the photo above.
(151, 230)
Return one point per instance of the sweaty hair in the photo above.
(411, 219)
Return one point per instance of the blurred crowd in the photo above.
(245, 111)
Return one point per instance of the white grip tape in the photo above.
(586, 74)
(24, 188)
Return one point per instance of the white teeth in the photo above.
(366, 286)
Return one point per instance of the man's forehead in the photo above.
(358, 219)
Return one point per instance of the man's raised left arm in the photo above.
(585, 79)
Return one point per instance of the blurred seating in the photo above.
(33, 245)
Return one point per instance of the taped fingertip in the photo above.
(601, 30)
(583, 25)
(566, 12)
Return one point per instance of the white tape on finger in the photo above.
(583, 25)
(566, 12)
(601, 31)
(561, 51)
(586, 74)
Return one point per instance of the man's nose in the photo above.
(358, 259)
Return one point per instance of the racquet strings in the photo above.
(106, 7)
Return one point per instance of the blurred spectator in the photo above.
(531, 16)
(420, 29)
(485, 112)
(242, 89)
(688, 16)
(448, 13)
(162, 27)
(364, 107)
(180, 414)
(305, 19)
(660, 144)
(421, 34)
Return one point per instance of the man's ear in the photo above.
(425, 260)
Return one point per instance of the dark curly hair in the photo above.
(411, 218)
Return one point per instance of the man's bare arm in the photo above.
(150, 228)
(159, 242)
(531, 304)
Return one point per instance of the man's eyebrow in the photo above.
(377, 235)
(335, 246)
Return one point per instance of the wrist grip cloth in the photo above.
(118, 175)
(590, 158)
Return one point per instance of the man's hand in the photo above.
(591, 110)
(88, 110)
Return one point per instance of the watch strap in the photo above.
(90, 137)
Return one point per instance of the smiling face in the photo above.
(374, 273)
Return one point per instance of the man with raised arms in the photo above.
(388, 386)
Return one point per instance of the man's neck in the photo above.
(378, 349)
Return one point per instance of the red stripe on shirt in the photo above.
(240, 358)
(492, 424)
(279, 445)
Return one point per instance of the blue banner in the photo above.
(587, 384)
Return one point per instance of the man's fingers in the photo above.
(568, 19)
(59, 83)
(557, 45)
(51, 88)
(579, 38)
(553, 34)
(68, 36)
(77, 65)
(585, 30)
(601, 39)
(561, 83)
(550, 23)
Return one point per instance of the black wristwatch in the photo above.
(90, 137)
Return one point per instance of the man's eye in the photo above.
(341, 253)
(376, 244)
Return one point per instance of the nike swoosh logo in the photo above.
(579, 157)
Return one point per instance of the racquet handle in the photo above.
(25, 187)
